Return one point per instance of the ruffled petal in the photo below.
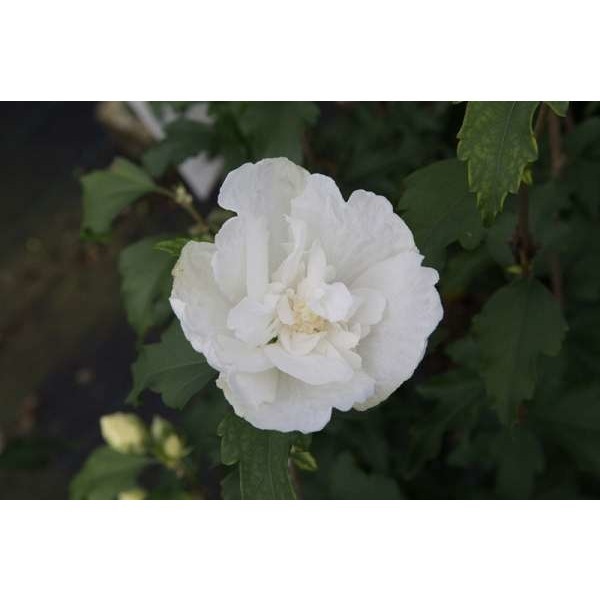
(196, 299)
(229, 260)
(396, 345)
(315, 369)
(265, 189)
(354, 235)
(297, 406)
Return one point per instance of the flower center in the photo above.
(305, 320)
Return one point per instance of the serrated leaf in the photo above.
(560, 107)
(106, 193)
(183, 139)
(573, 422)
(349, 482)
(459, 396)
(171, 368)
(520, 458)
(262, 457)
(107, 472)
(496, 140)
(276, 128)
(518, 324)
(145, 284)
(440, 209)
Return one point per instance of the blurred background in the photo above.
(65, 345)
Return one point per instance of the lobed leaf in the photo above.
(518, 324)
(496, 140)
(106, 193)
(171, 368)
(440, 209)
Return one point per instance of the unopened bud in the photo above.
(124, 432)
(133, 494)
(182, 196)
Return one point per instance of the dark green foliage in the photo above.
(518, 324)
(106, 473)
(183, 139)
(440, 209)
(262, 458)
(106, 193)
(171, 368)
(145, 284)
(496, 140)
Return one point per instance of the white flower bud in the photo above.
(160, 429)
(173, 448)
(124, 432)
(133, 494)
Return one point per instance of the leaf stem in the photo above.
(524, 247)
(557, 163)
(182, 198)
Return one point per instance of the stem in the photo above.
(540, 121)
(557, 162)
(188, 207)
(557, 158)
(524, 246)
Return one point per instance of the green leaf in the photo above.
(560, 107)
(349, 482)
(105, 473)
(183, 139)
(520, 458)
(459, 396)
(440, 209)
(303, 459)
(276, 128)
(496, 140)
(573, 422)
(171, 368)
(518, 324)
(262, 457)
(145, 284)
(106, 193)
(172, 247)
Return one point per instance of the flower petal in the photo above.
(370, 308)
(396, 345)
(354, 235)
(298, 406)
(229, 261)
(265, 189)
(315, 369)
(196, 299)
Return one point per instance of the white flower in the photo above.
(305, 302)
(124, 432)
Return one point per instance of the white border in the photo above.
(309, 49)
(299, 550)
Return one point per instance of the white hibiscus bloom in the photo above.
(305, 302)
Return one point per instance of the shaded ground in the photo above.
(65, 347)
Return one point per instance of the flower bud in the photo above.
(173, 448)
(133, 494)
(160, 429)
(124, 432)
